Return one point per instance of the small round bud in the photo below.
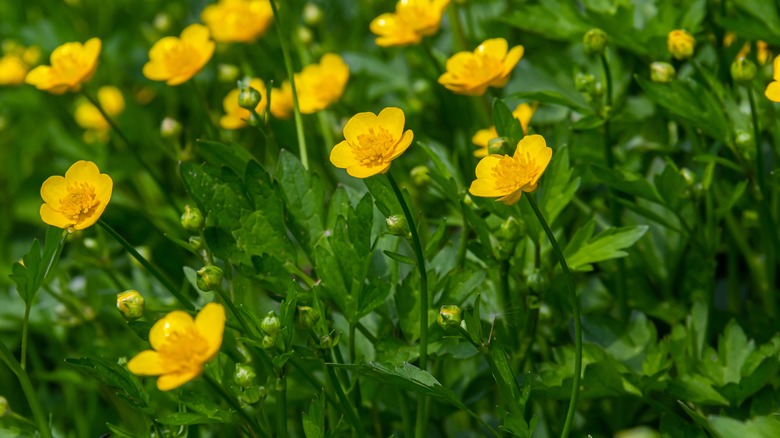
(585, 83)
(421, 175)
(312, 14)
(688, 176)
(468, 201)
(4, 409)
(170, 128)
(227, 72)
(192, 218)
(743, 70)
(397, 225)
(449, 317)
(270, 324)
(662, 72)
(308, 316)
(680, 44)
(162, 22)
(268, 342)
(244, 375)
(130, 304)
(595, 41)
(511, 229)
(497, 145)
(305, 35)
(196, 242)
(249, 98)
(326, 342)
(91, 244)
(209, 278)
(420, 86)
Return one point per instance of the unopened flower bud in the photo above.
(4, 409)
(244, 376)
(130, 304)
(227, 72)
(511, 229)
(192, 218)
(743, 70)
(270, 324)
(170, 128)
(308, 316)
(397, 225)
(680, 44)
(497, 145)
(162, 22)
(305, 35)
(268, 342)
(585, 83)
(312, 14)
(595, 41)
(326, 342)
(468, 201)
(662, 72)
(688, 176)
(449, 317)
(421, 175)
(209, 278)
(249, 98)
(195, 242)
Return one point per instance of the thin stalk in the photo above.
(345, 405)
(457, 29)
(25, 329)
(406, 421)
(291, 77)
(204, 103)
(154, 271)
(422, 421)
(429, 53)
(575, 386)
(253, 427)
(327, 133)
(27, 389)
(463, 242)
(281, 407)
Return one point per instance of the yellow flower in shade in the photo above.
(489, 65)
(12, 70)
(176, 60)
(507, 177)
(237, 20)
(412, 20)
(235, 117)
(181, 346)
(71, 65)
(522, 113)
(89, 117)
(372, 142)
(318, 86)
(773, 89)
(680, 44)
(77, 200)
(282, 101)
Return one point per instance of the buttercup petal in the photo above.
(175, 321)
(359, 124)
(82, 171)
(511, 198)
(40, 77)
(773, 91)
(155, 71)
(341, 155)
(92, 49)
(495, 48)
(531, 145)
(486, 165)
(167, 382)
(54, 218)
(54, 189)
(210, 323)
(195, 34)
(542, 160)
(403, 144)
(365, 171)
(147, 363)
(484, 187)
(161, 47)
(512, 58)
(393, 120)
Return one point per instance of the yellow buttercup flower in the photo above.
(181, 346)
(282, 101)
(372, 142)
(318, 86)
(176, 60)
(773, 89)
(13, 70)
(71, 65)
(412, 20)
(237, 20)
(89, 117)
(235, 117)
(507, 177)
(680, 44)
(482, 138)
(489, 65)
(77, 200)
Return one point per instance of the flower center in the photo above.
(80, 202)
(512, 174)
(374, 147)
(184, 349)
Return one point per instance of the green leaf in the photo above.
(608, 244)
(768, 426)
(627, 182)
(558, 187)
(30, 276)
(190, 418)
(115, 376)
(479, 226)
(233, 155)
(314, 419)
(304, 198)
(400, 257)
(435, 239)
(474, 322)
(555, 19)
(505, 122)
(384, 197)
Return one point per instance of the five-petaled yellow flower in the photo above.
(90, 118)
(773, 89)
(489, 65)
(318, 86)
(181, 346)
(235, 117)
(372, 142)
(237, 20)
(507, 177)
(176, 60)
(681, 44)
(71, 65)
(411, 21)
(77, 200)
(522, 113)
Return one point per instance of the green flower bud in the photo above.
(497, 145)
(249, 98)
(398, 226)
(195, 242)
(585, 83)
(270, 324)
(449, 317)
(130, 304)
(305, 35)
(326, 342)
(421, 175)
(170, 128)
(312, 14)
(662, 72)
(227, 73)
(252, 394)
(268, 342)
(4, 409)
(162, 22)
(91, 244)
(307, 316)
(743, 70)
(688, 176)
(244, 375)
(192, 218)
(595, 41)
(468, 201)
(209, 278)
(511, 230)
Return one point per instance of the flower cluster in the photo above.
(489, 65)
(72, 64)
(411, 21)
(522, 113)
(16, 62)
(317, 86)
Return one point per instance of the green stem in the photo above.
(27, 389)
(281, 406)
(25, 329)
(291, 77)
(429, 53)
(327, 133)
(457, 29)
(575, 386)
(254, 428)
(204, 103)
(422, 421)
(345, 405)
(154, 271)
